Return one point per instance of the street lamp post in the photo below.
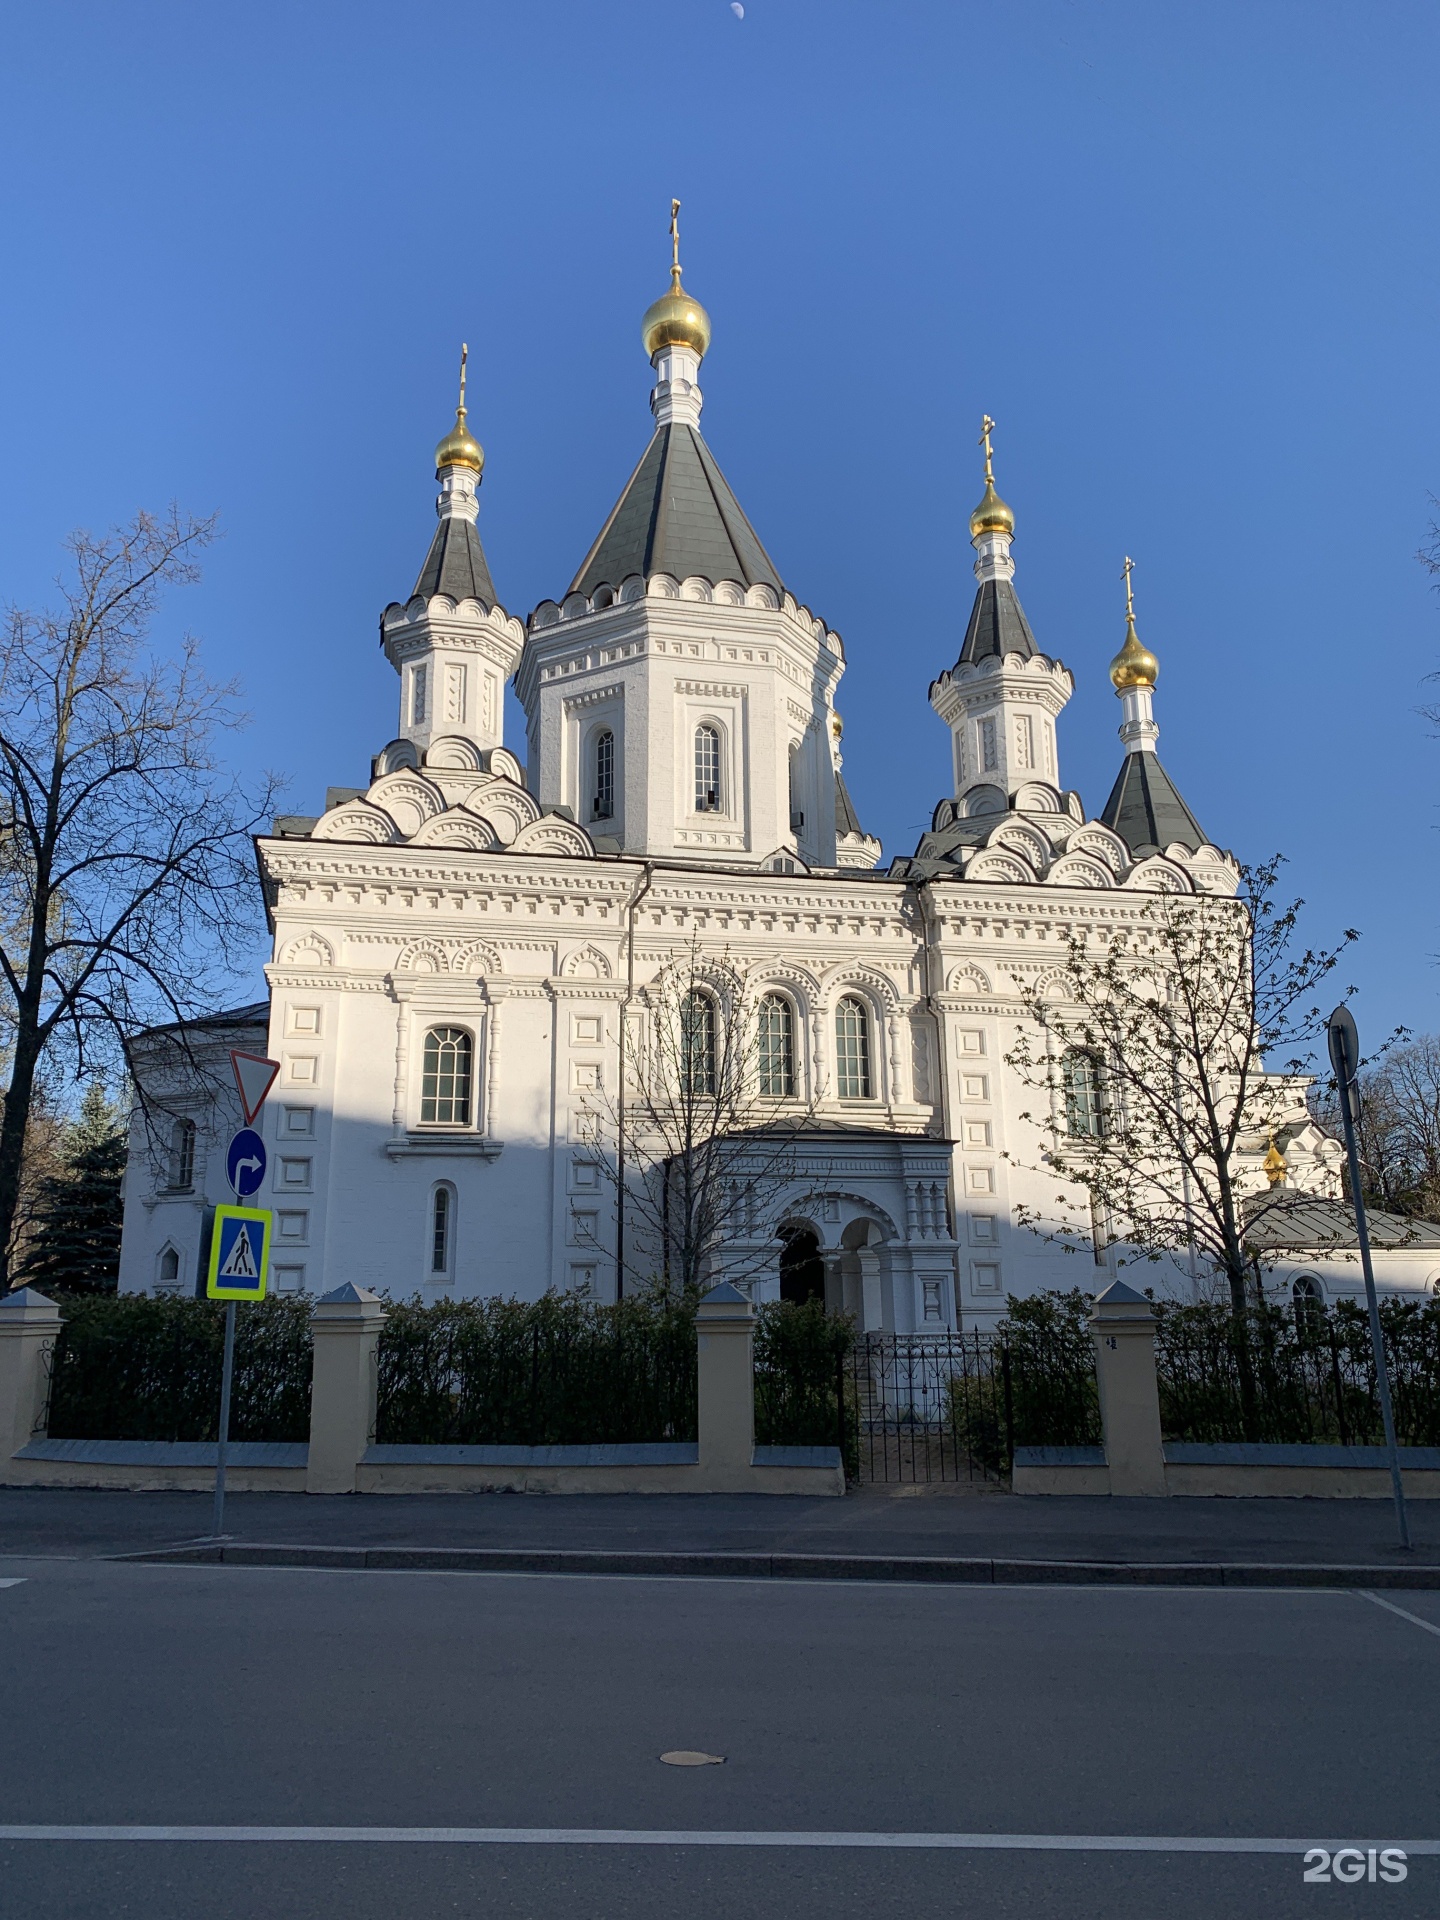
(1344, 1040)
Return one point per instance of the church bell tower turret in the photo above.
(1001, 698)
(452, 643)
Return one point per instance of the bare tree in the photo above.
(127, 885)
(1399, 1127)
(713, 1114)
(1165, 1056)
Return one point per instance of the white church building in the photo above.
(458, 947)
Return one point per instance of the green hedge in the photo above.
(1031, 1384)
(560, 1371)
(801, 1375)
(128, 1367)
(1276, 1378)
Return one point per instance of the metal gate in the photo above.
(927, 1407)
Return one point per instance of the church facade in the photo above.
(461, 950)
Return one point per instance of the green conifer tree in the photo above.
(76, 1240)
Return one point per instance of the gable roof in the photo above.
(456, 565)
(1145, 809)
(677, 515)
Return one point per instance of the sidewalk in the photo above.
(870, 1533)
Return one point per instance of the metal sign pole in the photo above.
(226, 1375)
(1345, 1058)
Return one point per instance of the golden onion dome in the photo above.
(1134, 665)
(675, 320)
(992, 515)
(460, 448)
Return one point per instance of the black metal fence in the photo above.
(1280, 1376)
(133, 1368)
(954, 1406)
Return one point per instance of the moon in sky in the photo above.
(737, 9)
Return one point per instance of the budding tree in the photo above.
(127, 885)
(1164, 1049)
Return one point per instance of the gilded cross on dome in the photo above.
(987, 427)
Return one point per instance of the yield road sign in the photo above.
(245, 1163)
(254, 1076)
(239, 1254)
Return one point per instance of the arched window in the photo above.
(1309, 1303)
(442, 1230)
(604, 798)
(1084, 1095)
(697, 1043)
(852, 1050)
(775, 1044)
(707, 769)
(182, 1154)
(445, 1086)
(168, 1279)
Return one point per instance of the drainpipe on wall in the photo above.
(635, 898)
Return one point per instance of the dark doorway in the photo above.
(802, 1271)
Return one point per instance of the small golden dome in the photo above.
(1274, 1165)
(992, 515)
(460, 448)
(675, 320)
(1134, 665)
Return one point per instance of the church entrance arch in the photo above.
(802, 1271)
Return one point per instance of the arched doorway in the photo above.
(802, 1271)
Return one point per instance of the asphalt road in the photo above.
(223, 1697)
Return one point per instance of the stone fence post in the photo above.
(29, 1327)
(346, 1325)
(725, 1335)
(1123, 1323)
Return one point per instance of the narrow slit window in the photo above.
(441, 1228)
(417, 695)
(446, 1077)
(852, 1050)
(707, 769)
(776, 1048)
(604, 806)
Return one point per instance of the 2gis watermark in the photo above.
(1350, 1865)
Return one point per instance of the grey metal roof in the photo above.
(997, 625)
(1145, 809)
(677, 515)
(1308, 1223)
(456, 565)
(846, 818)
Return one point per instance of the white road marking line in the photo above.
(12, 1583)
(1363, 1593)
(704, 1837)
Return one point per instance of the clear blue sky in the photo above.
(1186, 257)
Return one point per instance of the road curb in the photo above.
(930, 1569)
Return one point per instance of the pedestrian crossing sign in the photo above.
(239, 1254)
